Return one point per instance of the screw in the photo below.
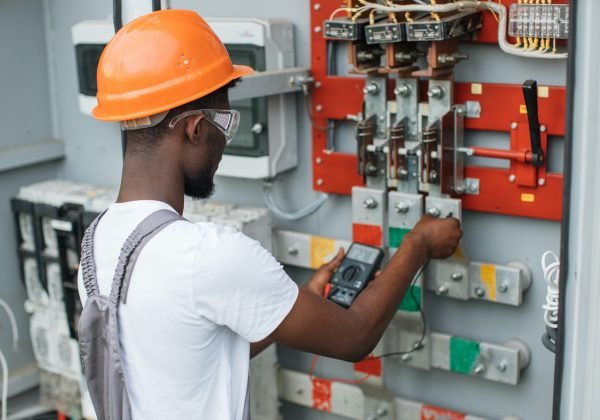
(370, 203)
(503, 287)
(442, 290)
(543, 128)
(434, 211)
(319, 182)
(317, 29)
(436, 92)
(512, 178)
(433, 175)
(541, 182)
(403, 173)
(299, 391)
(257, 128)
(371, 89)
(402, 207)
(319, 108)
(317, 6)
(319, 160)
(457, 276)
(514, 126)
(382, 411)
(293, 251)
(473, 187)
(318, 84)
(460, 189)
(371, 169)
(406, 357)
(479, 292)
(502, 366)
(460, 111)
(403, 90)
(479, 368)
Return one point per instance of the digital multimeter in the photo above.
(356, 271)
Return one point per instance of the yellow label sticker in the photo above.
(488, 278)
(459, 254)
(543, 91)
(523, 109)
(528, 198)
(476, 89)
(321, 250)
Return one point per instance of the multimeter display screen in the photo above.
(362, 254)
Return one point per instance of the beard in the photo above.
(201, 186)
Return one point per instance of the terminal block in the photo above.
(539, 21)
(446, 28)
(344, 29)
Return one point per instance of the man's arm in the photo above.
(320, 326)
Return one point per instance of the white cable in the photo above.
(308, 210)
(551, 276)
(4, 384)
(13, 324)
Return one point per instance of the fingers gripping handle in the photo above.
(530, 92)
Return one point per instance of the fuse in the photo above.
(539, 21)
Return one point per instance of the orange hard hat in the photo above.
(160, 61)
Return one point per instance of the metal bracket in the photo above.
(441, 97)
(407, 100)
(272, 82)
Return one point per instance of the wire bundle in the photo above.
(551, 276)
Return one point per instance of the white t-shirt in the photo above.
(199, 294)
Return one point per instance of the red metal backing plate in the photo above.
(321, 394)
(429, 412)
(367, 234)
(371, 367)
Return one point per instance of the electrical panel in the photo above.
(266, 143)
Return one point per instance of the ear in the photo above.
(195, 130)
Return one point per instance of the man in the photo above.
(202, 298)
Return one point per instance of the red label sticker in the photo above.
(429, 412)
(367, 234)
(369, 366)
(321, 394)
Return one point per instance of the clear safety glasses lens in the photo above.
(226, 121)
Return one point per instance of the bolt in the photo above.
(460, 111)
(293, 251)
(512, 178)
(457, 276)
(319, 182)
(543, 128)
(502, 366)
(257, 128)
(371, 89)
(406, 357)
(319, 160)
(473, 187)
(299, 391)
(479, 368)
(317, 29)
(434, 211)
(479, 292)
(318, 84)
(417, 345)
(382, 411)
(459, 189)
(442, 290)
(514, 126)
(402, 207)
(503, 287)
(436, 92)
(403, 173)
(433, 175)
(541, 182)
(319, 108)
(371, 169)
(317, 6)
(370, 203)
(403, 90)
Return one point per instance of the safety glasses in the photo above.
(226, 121)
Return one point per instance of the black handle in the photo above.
(530, 92)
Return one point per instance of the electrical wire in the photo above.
(156, 5)
(117, 15)
(551, 276)
(13, 324)
(297, 215)
(417, 346)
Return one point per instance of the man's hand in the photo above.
(440, 236)
(318, 282)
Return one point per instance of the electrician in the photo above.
(203, 298)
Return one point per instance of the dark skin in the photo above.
(346, 334)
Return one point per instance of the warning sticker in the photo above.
(321, 394)
(488, 279)
(321, 251)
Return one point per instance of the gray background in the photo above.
(93, 154)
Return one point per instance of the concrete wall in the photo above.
(93, 154)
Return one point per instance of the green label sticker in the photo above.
(463, 355)
(412, 300)
(397, 236)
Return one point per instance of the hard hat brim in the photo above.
(238, 72)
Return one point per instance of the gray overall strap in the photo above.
(87, 263)
(132, 247)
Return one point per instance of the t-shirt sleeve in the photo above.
(239, 284)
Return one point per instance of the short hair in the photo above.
(147, 139)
